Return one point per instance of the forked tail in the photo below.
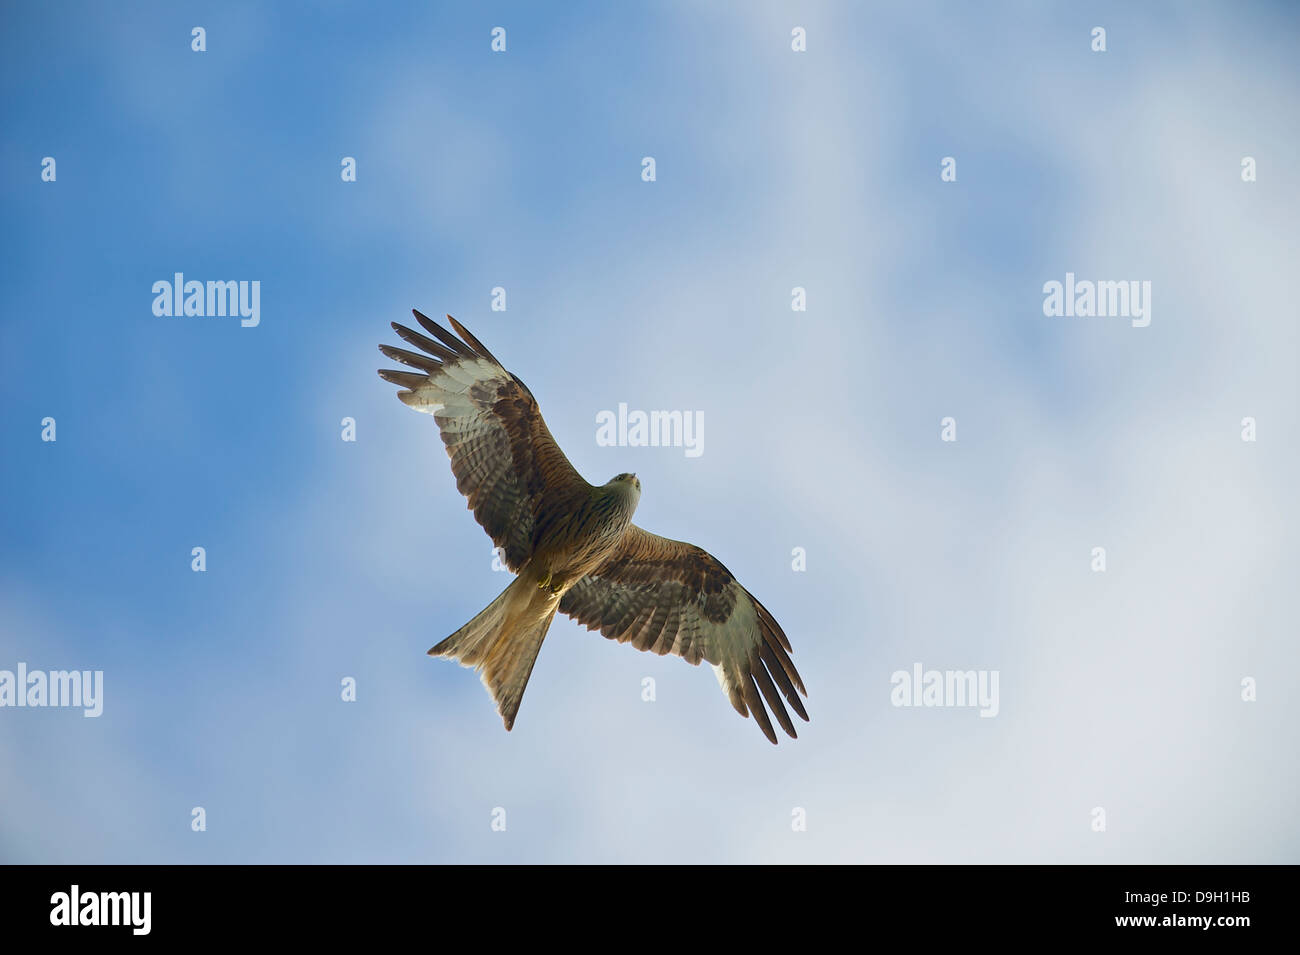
(502, 642)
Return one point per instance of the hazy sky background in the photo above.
(775, 169)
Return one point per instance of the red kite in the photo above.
(574, 547)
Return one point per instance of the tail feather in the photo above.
(502, 643)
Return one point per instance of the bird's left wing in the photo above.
(669, 597)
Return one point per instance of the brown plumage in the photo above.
(574, 547)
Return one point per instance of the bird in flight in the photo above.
(573, 545)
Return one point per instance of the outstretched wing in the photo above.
(504, 458)
(670, 597)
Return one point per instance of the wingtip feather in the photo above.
(474, 343)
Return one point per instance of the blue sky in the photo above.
(775, 169)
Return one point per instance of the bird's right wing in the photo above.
(502, 454)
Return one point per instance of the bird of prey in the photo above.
(573, 545)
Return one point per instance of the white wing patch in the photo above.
(451, 383)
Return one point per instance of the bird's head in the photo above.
(629, 479)
(623, 490)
